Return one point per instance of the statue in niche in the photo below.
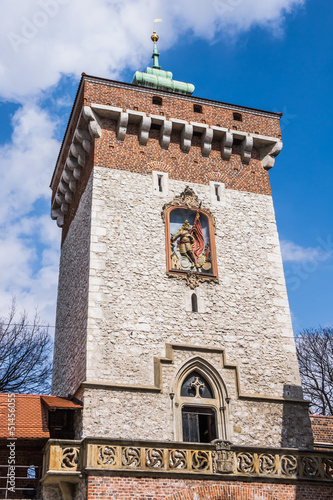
(186, 242)
(192, 252)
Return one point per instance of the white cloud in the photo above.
(29, 260)
(29, 241)
(296, 253)
(27, 161)
(44, 39)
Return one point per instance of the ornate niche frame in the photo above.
(180, 262)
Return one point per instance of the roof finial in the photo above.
(156, 78)
(155, 38)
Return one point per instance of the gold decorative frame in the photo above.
(188, 200)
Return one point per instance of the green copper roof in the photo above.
(156, 78)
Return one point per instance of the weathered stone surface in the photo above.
(132, 309)
(69, 367)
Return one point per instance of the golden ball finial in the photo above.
(154, 37)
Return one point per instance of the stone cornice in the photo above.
(269, 147)
(88, 129)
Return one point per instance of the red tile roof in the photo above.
(27, 414)
(56, 403)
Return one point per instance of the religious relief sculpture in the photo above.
(190, 245)
(190, 239)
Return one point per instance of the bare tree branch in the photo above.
(25, 349)
(315, 358)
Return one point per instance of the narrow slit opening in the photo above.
(159, 182)
(194, 301)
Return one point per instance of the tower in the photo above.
(173, 325)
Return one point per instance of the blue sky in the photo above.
(267, 54)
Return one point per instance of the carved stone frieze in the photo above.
(70, 458)
(218, 457)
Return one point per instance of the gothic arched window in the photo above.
(198, 423)
(200, 411)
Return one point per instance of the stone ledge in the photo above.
(269, 147)
(216, 459)
(169, 359)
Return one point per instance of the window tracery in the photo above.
(200, 404)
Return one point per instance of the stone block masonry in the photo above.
(133, 309)
(69, 363)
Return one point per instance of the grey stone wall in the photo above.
(51, 492)
(135, 309)
(132, 309)
(69, 364)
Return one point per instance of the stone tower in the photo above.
(173, 325)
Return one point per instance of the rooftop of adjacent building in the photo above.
(27, 416)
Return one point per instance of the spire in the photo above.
(159, 79)
(156, 54)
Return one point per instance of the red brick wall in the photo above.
(125, 488)
(192, 166)
(175, 106)
(186, 167)
(322, 428)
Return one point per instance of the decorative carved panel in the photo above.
(218, 458)
(190, 241)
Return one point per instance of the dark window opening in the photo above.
(197, 108)
(155, 126)
(197, 134)
(194, 301)
(217, 192)
(157, 100)
(159, 181)
(198, 425)
(61, 424)
(238, 117)
(196, 386)
(237, 142)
